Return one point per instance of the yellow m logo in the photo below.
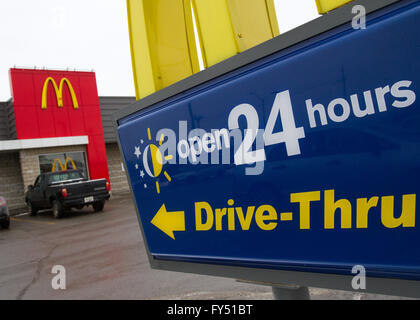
(66, 165)
(58, 92)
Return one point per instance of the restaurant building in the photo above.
(54, 121)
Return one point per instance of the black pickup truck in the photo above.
(63, 190)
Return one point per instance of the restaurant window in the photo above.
(63, 161)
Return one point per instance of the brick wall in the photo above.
(117, 176)
(11, 186)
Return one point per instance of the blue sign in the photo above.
(307, 160)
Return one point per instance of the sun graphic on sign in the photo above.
(152, 152)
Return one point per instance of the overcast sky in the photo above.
(88, 35)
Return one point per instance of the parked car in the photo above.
(4, 214)
(63, 190)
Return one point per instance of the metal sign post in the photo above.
(291, 162)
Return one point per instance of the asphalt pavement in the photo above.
(104, 257)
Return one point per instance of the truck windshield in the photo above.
(64, 176)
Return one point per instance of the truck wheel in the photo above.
(98, 206)
(32, 210)
(57, 208)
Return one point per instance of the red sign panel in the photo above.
(51, 104)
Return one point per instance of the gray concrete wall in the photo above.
(110, 105)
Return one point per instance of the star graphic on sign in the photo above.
(137, 166)
(141, 141)
(142, 173)
(145, 186)
(137, 152)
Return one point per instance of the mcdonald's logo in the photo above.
(58, 92)
(65, 167)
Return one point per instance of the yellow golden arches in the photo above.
(228, 27)
(58, 92)
(162, 39)
(55, 163)
(65, 167)
(72, 163)
(325, 6)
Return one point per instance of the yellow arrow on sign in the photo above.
(168, 222)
